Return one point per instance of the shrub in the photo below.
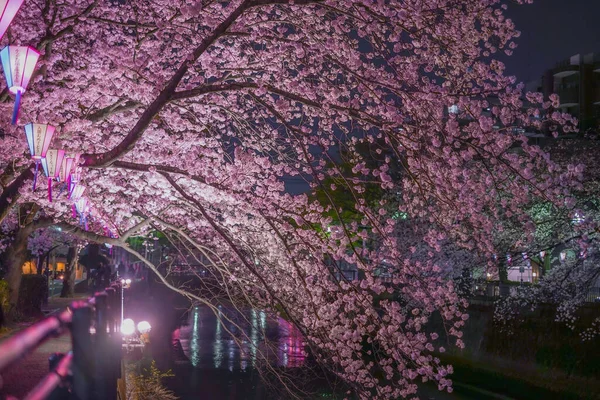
(148, 385)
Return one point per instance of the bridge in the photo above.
(91, 370)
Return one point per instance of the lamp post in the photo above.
(38, 137)
(18, 63)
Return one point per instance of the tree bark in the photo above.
(68, 288)
(15, 256)
(10, 194)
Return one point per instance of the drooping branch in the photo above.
(234, 248)
(115, 108)
(128, 143)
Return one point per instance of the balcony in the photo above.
(569, 96)
(564, 71)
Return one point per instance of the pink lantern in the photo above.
(65, 170)
(39, 137)
(75, 176)
(8, 10)
(51, 165)
(18, 63)
(81, 205)
(77, 192)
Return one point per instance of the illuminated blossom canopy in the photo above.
(194, 119)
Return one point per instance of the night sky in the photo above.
(551, 31)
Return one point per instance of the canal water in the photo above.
(224, 357)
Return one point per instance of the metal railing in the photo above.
(91, 369)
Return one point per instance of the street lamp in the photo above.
(127, 327)
(144, 327)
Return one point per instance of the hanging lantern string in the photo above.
(18, 63)
(16, 109)
(35, 174)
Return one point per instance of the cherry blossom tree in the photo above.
(568, 238)
(193, 119)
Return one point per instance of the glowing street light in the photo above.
(144, 327)
(127, 327)
(18, 63)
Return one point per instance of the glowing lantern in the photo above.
(18, 63)
(77, 192)
(8, 10)
(65, 169)
(75, 176)
(51, 165)
(81, 205)
(75, 195)
(39, 137)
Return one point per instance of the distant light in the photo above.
(144, 327)
(122, 281)
(534, 274)
(127, 327)
(128, 281)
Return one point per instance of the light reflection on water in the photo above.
(211, 342)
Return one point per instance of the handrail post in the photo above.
(83, 352)
(104, 385)
(115, 336)
(118, 338)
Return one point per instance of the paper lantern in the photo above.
(81, 205)
(8, 10)
(51, 164)
(75, 176)
(18, 63)
(38, 137)
(65, 169)
(77, 192)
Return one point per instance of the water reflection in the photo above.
(237, 340)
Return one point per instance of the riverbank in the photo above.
(519, 383)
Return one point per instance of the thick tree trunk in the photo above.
(68, 288)
(15, 257)
(40, 264)
(10, 194)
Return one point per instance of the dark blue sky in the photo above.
(551, 31)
